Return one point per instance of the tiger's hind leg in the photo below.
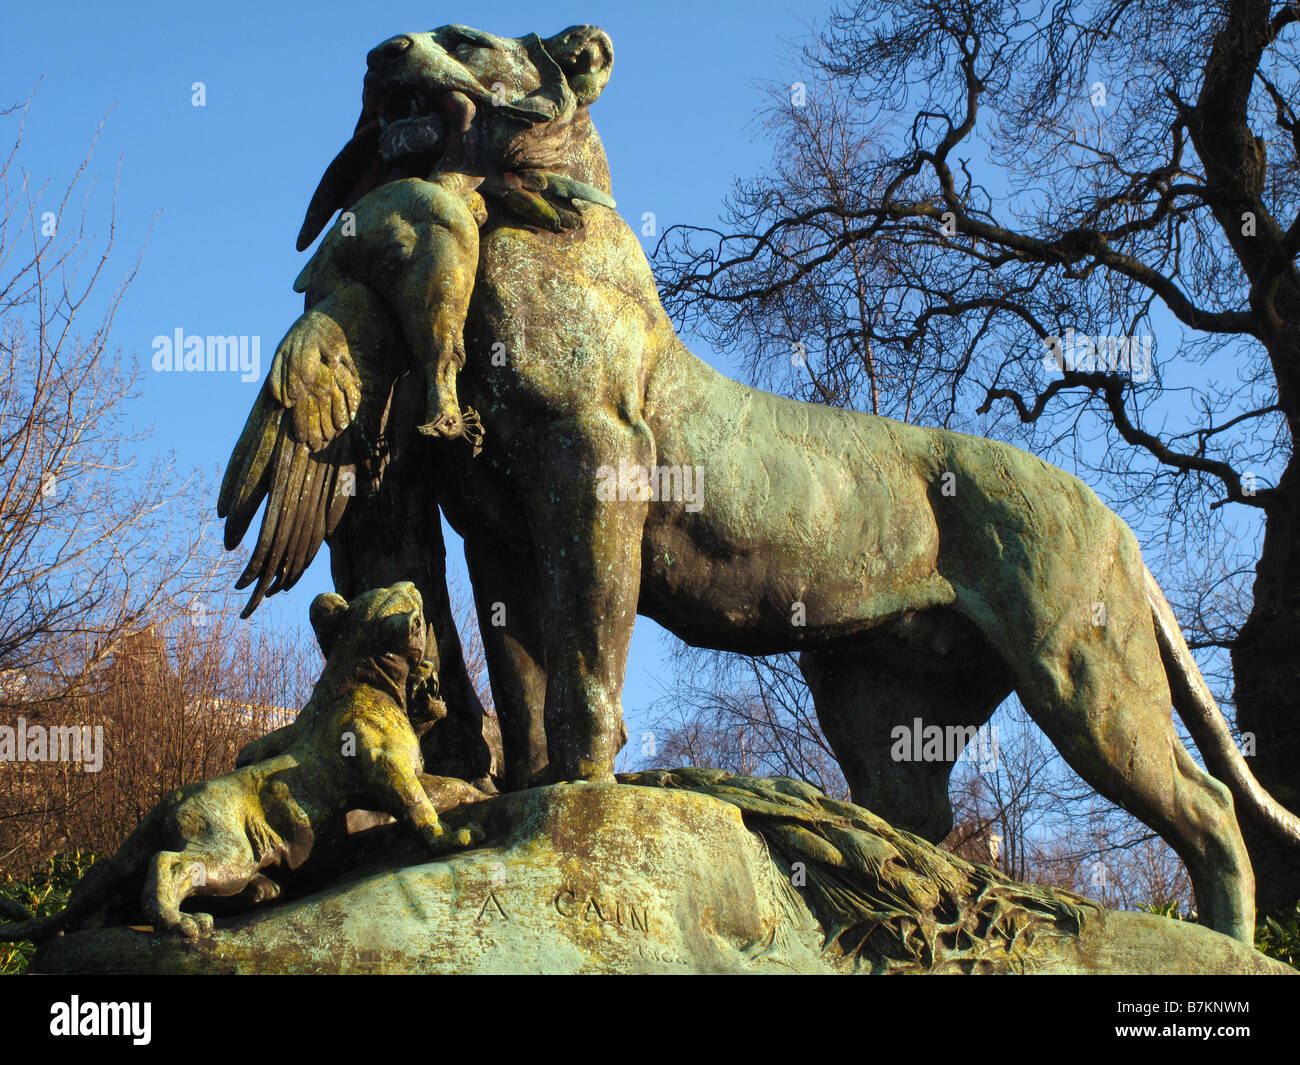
(1078, 633)
(1105, 704)
(928, 671)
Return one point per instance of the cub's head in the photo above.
(378, 640)
(509, 110)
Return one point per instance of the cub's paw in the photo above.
(191, 925)
(438, 839)
(261, 889)
(434, 836)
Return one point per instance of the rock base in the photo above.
(588, 878)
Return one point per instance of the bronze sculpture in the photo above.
(922, 573)
(914, 568)
(351, 745)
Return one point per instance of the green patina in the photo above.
(669, 872)
(922, 574)
(351, 745)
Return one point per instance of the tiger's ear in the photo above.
(586, 55)
(327, 613)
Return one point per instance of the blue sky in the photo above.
(219, 191)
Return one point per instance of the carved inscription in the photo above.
(584, 906)
(492, 911)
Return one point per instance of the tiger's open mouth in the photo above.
(403, 131)
(411, 123)
(419, 135)
(426, 107)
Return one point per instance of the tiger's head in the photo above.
(509, 112)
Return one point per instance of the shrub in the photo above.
(45, 891)
(1281, 941)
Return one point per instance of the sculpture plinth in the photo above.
(598, 878)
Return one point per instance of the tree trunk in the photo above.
(1266, 672)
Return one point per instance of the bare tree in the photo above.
(170, 703)
(1024, 811)
(466, 619)
(749, 716)
(89, 543)
(104, 564)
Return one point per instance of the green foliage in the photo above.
(1281, 941)
(44, 892)
(1166, 909)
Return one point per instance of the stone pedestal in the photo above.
(582, 878)
(573, 878)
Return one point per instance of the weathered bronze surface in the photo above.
(923, 573)
(351, 745)
(690, 871)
